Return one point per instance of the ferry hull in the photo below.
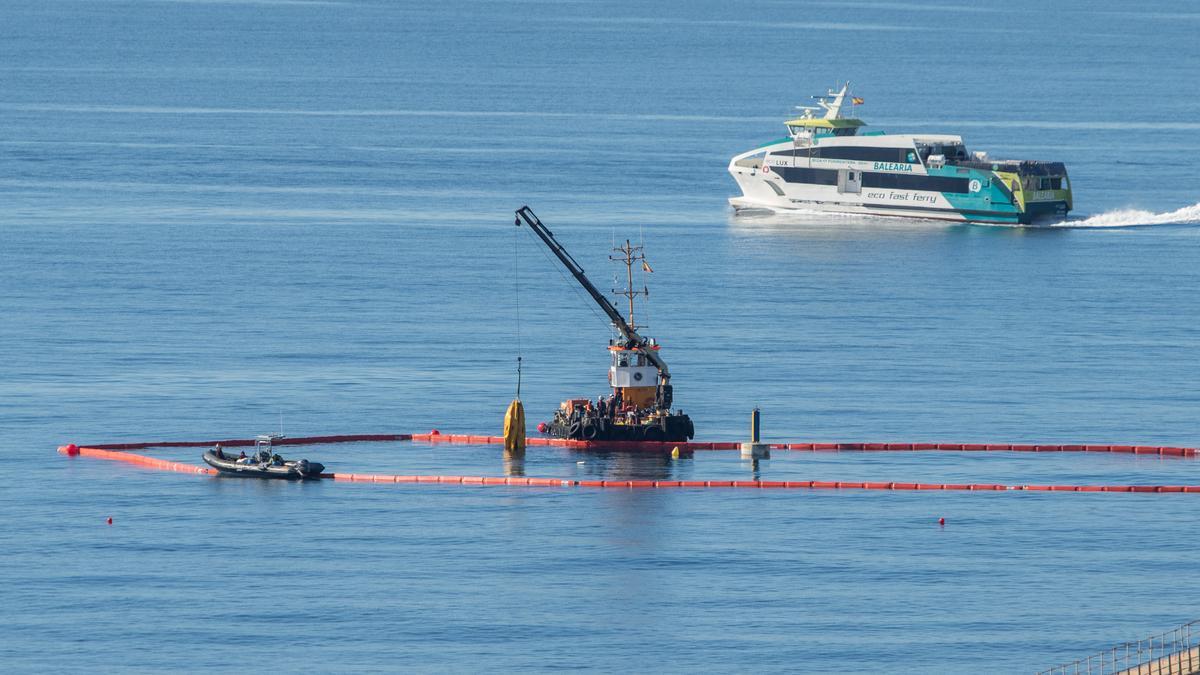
(1047, 211)
(988, 197)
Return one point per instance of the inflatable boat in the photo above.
(263, 463)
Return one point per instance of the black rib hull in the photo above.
(288, 471)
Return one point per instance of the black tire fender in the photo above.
(589, 431)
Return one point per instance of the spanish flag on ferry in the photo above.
(856, 100)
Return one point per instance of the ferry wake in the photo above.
(829, 163)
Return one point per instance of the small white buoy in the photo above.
(581, 462)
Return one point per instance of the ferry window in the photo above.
(955, 152)
(1065, 184)
(910, 157)
(797, 174)
(903, 181)
(861, 154)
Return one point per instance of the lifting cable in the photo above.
(572, 284)
(517, 303)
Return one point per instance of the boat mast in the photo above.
(629, 255)
(832, 102)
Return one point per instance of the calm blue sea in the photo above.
(217, 217)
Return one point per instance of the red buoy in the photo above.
(435, 432)
(941, 521)
(110, 520)
(542, 427)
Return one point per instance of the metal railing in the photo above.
(1175, 652)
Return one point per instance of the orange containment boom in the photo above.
(656, 446)
(756, 484)
(141, 460)
(117, 452)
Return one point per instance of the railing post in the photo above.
(1191, 665)
(1178, 644)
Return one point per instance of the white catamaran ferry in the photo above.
(828, 163)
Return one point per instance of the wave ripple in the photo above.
(1135, 218)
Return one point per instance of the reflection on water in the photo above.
(514, 462)
(642, 465)
(823, 223)
(626, 465)
(754, 470)
(850, 226)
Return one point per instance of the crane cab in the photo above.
(633, 376)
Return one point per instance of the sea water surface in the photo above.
(219, 218)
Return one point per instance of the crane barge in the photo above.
(639, 408)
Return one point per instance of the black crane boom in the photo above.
(631, 336)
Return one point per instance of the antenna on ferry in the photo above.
(833, 109)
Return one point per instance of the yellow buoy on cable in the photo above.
(514, 420)
(514, 427)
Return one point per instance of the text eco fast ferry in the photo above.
(826, 164)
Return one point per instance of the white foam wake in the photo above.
(1134, 218)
